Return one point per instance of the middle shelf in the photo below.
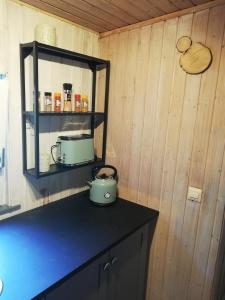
(56, 169)
(58, 114)
(98, 117)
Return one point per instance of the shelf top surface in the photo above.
(55, 169)
(51, 243)
(63, 113)
(62, 53)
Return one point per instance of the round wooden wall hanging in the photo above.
(196, 57)
(184, 43)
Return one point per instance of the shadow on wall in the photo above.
(174, 270)
(60, 185)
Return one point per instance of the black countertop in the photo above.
(43, 246)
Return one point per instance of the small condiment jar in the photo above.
(77, 99)
(84, 103)
(57, 102)
(48, 101)
(67, 92)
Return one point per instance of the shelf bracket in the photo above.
(92, 67)
(98, 120)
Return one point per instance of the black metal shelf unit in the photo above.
(46, 52)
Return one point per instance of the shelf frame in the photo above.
(95, 64)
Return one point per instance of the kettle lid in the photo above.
(96, 169)
(75, 137)
(104, 176)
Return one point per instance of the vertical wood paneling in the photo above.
(163, 99)
(170, 140)
(159, 144)
(118, 64)
(210, 178)
(128, 108)
(18, 26)
(170, 160)
(113, 43)
(179, 256)
(138, 109)
(149, 114)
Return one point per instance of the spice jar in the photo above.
(67, 91)
(77, 102)
(84, 103)
(48, 101)
(57, 102)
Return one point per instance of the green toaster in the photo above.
(75, 149)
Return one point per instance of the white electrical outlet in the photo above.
(194, 194)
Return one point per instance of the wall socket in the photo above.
(194, 194)
(2, 158)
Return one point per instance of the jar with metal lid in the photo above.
(67, 93)
(84, 103)
(57, 102)
(47, 101)
(77, 102)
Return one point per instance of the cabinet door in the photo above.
(128, 271)
(85, 285)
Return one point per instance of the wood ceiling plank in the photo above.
(182, 4)
(164, 5)
(109, 15)
(62, 14)
(148, 7)
(130, 6)
(197, 2)
(113, 10)
(68, 6)
(166, 17)
(96, 11)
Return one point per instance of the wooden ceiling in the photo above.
(106, 15)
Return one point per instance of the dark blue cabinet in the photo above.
(85, 285)
(119, 274)
(129, 260)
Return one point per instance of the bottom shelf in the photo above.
(55, 169)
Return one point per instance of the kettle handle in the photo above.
(96, 169)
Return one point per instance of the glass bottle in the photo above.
(84, 103)
(48, 101)
(67, 92)
(57, 102)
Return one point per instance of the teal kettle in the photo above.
(103, 188)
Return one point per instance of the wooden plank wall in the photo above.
(17, 26)
(167, 132)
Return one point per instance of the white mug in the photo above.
(46, 34)
(44, 162)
